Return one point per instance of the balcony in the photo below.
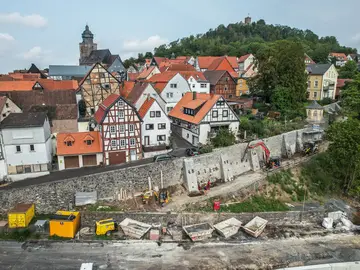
(329, 87)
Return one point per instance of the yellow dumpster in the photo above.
(65, 224)
(21, 215)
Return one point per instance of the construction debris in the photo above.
(133, 228)
(199, 232)
(327, 223)
(228, 227)
(256, 226)
(85, 198)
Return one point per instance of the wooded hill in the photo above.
(239, 39)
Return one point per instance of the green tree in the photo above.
(148, 55)
(282, 100)
(349, 70)
(344, 151)
(223, 138)
(350, 97)
(281, 65)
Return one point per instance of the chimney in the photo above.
(194, 95)
(148, 97)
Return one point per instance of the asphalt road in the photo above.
(150, 255)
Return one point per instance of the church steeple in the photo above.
(87, 45)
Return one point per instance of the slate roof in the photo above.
(100, 56)
(213, 76)
(314, 105)
(318, 69)
(23, 120)
(35, 69)
(64, 70)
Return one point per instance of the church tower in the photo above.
(87, 45)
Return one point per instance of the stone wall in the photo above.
(225, 164)
(181, 219)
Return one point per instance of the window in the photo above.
(18, 148)
(121, 128)
(122, 142)
(88, 142)
(173, 85)
(241, 83)
(19, 169)
(193, 86)
(187, 136)
(121, 103)
(189, 111)
(220, 103)
(4, 115)
(32, 147)
(152, 114)
(170, 95)
(113, 143)
(225, 88)
(203, 85)
(132, 142)
(158, 113)
(230, 96)
(112, 129)
(191, 79)
(315, 113)
(215, 114)
(7, 105)
(149, 127)
(225, 113)
(161, 126)
(131, 128)
(121, 114)
(92, 110)
(315, 94)
(316, 84)
(168, 109)
(69, 143)
(161, 138)
(309, 84)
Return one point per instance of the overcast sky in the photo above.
(48, 32)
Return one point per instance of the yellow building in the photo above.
(242, 87)
(322, 80)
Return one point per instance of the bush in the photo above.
(325, 101)
(206, 148)
(223, 138)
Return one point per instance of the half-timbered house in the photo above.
(96, 86)
(120, 127)
(221, 83)
(198, 117)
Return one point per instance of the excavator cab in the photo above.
(310, 148)
(274, 162)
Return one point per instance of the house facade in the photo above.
(221, 83)
(322, 81)
(155, 128)
(242, 87)
(7, 107)
(198, 117)
(120, 127)
(245, 61)
(340, 59)
(79, 149)
(147, 73)
(171, 86)
(27, 145)
(95, 87)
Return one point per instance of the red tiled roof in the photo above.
(159, 87)
(126, 88)
(197, 75)
(243, 58)
(109, 100)
(145, 73)
(233, 61)
(145, 107)
(163, 77)
(79, 145)
(205, 61)
(16, 85)
(158, 60)
(207, 101)
(45, 83)
(100, 113)
(341, 82)
(133, 76)
(180, 67)
(339, 55)
(214, 65)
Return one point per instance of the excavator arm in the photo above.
(264, 147)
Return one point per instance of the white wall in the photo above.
(23, 176)
(83, 126)
(11, 107)
(152, 134)
(195, 86)
(149, 90)
(173, 95)
(41, 155)
(330, 75)
(61, 161)
(3, 169)
(231, 116)
(188, 135)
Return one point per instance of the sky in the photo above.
(48, 32)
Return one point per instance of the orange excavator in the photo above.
(270, 162)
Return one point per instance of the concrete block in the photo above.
(226, 168)
(190, 176)
(254, 160)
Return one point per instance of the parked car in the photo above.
(162, 157)
(190, 152)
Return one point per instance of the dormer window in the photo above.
(69, 143)
(88, 142)
(38, 86)
(189, 111)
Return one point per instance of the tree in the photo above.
(344, 151)
(148, 55)
(320, 54)
(82, 108)
(282, 100)
(350, 97)
(223, 138)
(281, 65)
(348, 71)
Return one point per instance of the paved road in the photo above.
(66, 174)
(150, 255)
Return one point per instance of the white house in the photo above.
(79, 149)
(171, 86)
(340, 58)
(245, 61)
(27, 145)
(155, 128)
(7, 106)
(198, 117)
(197, 81)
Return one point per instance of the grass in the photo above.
(17, 234)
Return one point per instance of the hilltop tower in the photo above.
(87, 45)
(248, 20)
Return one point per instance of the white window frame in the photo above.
(227, 113)
(132, 140)
(147, 125)
(173, 85)
(122, 128)
(113, 143)
(112, 129)
(122, 143)
(121, 103)
(152, 114)
(162, 126)
(203, 85)
(161, 136)
(214, 114)
(121, 114)
(131, 127)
